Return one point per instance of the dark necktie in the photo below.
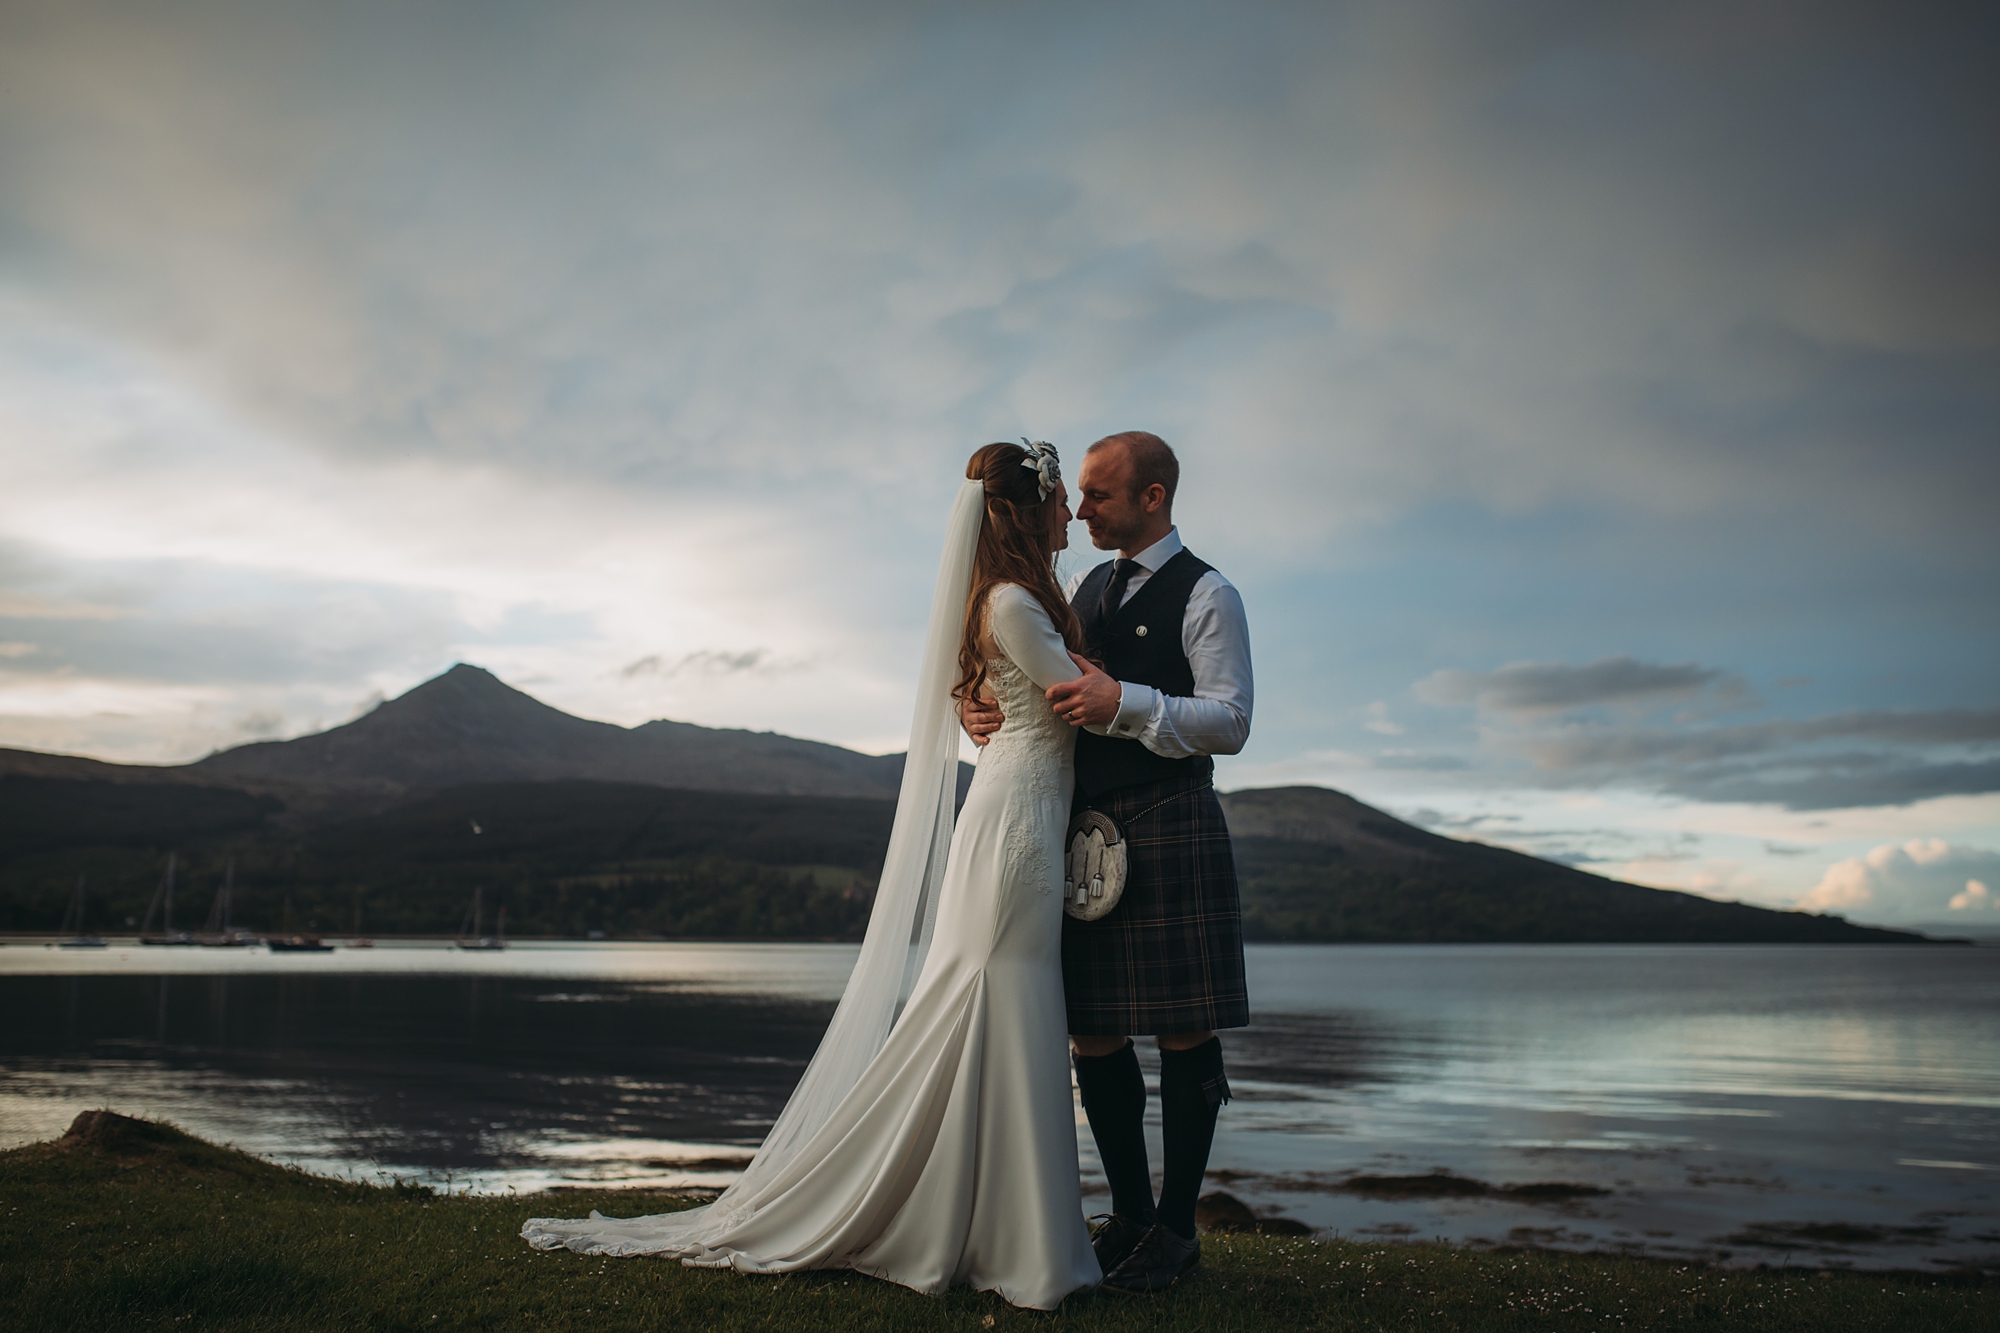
(1122, 571)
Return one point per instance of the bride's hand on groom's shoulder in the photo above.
(980, 718)
(1091, 700)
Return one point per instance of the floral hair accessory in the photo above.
(1042, 461)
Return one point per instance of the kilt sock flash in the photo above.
(1113, 1092)
(1192, 1088)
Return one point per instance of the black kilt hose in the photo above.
(1169, 957)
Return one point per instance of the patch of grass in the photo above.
(115, 1227)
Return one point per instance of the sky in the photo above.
(1597, 406)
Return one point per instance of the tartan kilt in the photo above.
(1169, 957)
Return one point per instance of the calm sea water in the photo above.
(1809, 1105)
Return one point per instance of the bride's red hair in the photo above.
(1016, 545)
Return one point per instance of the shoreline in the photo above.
(128, 1223)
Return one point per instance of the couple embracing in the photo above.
(932, 1141)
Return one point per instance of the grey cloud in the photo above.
(1838, 783)
(1551, 687)
(703, 661)
(686, 243)
(1425, 817)
(1411, 762)
(21, 605)
(1566, 846)
(168, 651)
(184, 622)
(261, 724)
(1788, 403)
(192, 658)
(1582, 748)
(1850, 759)
(35, 587)
(1539, 712)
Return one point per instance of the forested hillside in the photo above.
(574, 857)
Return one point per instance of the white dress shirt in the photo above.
(1216, 638)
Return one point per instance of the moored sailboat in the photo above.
(359, 941)
(296, 944)
(216, 934)
(72, 924)
(168, 935)
(477, 940)
(291, 943)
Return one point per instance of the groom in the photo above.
(1167, 961)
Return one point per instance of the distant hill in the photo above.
(1319, 865)
(670, 828)
(571, 857)
(467, 726)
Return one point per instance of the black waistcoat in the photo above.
(1141, 643)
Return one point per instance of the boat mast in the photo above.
(218, 911)
(158, 889)
(75, 910)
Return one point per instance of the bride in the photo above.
(939, 1146)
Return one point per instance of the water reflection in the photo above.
(1733, 1102)
(422, 1075)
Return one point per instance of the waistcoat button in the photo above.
(1141, 631)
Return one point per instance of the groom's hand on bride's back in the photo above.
(980, 718)
(1091, 700)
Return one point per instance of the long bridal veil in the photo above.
(899, 926)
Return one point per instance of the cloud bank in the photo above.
(1598, 724)
(1536, 688)
(1924, 880)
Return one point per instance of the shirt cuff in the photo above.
(1135, 710)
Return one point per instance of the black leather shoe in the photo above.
(1112, 1237)
(1158, 1261)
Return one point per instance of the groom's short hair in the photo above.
(1153, 461)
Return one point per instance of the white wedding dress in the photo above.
(952, 1158)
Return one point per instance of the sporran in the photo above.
(1094, 869)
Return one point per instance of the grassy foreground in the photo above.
(131, 1225)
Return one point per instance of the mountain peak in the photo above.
(466, 725)
(466, 687)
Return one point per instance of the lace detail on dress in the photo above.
(1030, 749)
